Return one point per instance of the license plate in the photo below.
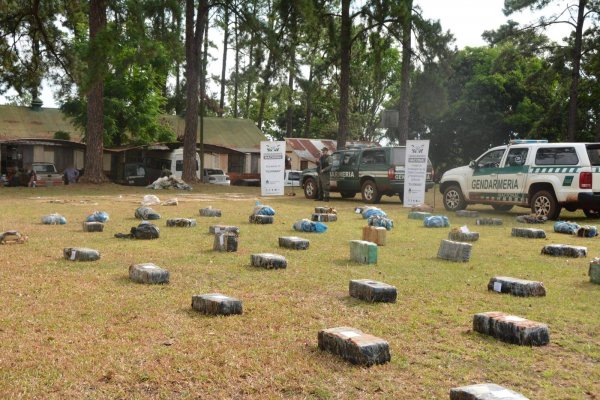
(399, 177)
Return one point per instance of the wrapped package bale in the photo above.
(454, 251)
(511, 329)
(325, 210)
(93, 227)
(181, 222)
(150, 200)
(268, 260)
(373, 291)
(570, 228)
(54, 219)
(378, 220)
(210, 212)
(488, 221)
(260, 219)
(594, 271)
(564, 250)
(306, 225)
(260, 209)
(146, 231)
(375, 234)
(370, 211)
(420, 215)
(223, 228)
(216, 304)
(528, 233)
(80, 254)
(484, 391)
(324, 217)
(422, 207)
(148, 273)
(293, 242)
(97, 216)
(587, 231)
(467, 213)
(355, 346)
(13, 237)
(225, 241)
(457, 235)
(363, 252)
(532, 219)
(436, 221)
(146, 213)
(516, 287)
(170, 202)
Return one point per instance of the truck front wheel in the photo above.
(310, 188)
(544, 203)
(454, 199)
(370, 194)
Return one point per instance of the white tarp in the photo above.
(415, 172)
(272, 167)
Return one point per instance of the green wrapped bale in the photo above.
(363, 252)
(594, 271)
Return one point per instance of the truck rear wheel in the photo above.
(310, 188)
(370, 194)
(454, 199)
(544, 203)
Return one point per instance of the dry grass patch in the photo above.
(83, 330)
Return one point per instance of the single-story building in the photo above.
(304, 153)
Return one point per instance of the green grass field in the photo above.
(83, 330)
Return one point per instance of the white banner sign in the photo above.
(272, 167)
(415, 172)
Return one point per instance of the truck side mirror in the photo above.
(473, 165)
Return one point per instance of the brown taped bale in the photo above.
(511, 329)
(355, 346)
(293, 242)
(516, 287)
(373, 291)
(484, 391)
(216, 304)
(375, 234)
(148, 273)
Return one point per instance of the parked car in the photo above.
(373, 172)
(215, 176)
(292, 177)
(46, 174)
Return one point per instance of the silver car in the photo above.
(215, 176)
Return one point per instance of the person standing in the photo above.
(71, 175)
(323, 168)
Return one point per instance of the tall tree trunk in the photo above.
(236, 80)
(308, 111)
(224, 63)
(265, 88)
(574, 90)
(345, 50)
(250, 66)
(194, 30)
(405, 73)
(289, 127)
(203, 95)
(178, 102)
(95, 98)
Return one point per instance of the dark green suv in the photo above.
(373, 171)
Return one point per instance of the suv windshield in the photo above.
(44, 168)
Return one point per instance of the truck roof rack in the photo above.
(525, 141)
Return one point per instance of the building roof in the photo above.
(18, 122)
(24, 123)
(310, 149)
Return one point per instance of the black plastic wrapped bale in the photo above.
(488, 221)
(225, 241)
(355, 346)
(260, 219)
(594, 271)
(511, 329)
(216, 304)
(563, 250)
(455, 251)
(323, 217)
(268, 260)
(223, 228)
(325, 210)
(467, 213)
(148, 273)
(181, 222)
(81, 254)
(484, 391)
(13, 237)
(530, 233)
(93, 227)
(516, 287)
(146, 213)
(210, 212)
(373, 291)
(531, 219)
(458, 236)
(145, 231)
(293, 242)
(363, 252)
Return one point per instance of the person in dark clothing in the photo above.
(323, 167)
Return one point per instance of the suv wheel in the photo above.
(502, 207)
(454, 199)
(544, 203)
(370, 194)
(310, 188)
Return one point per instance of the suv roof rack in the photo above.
(523, 141)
